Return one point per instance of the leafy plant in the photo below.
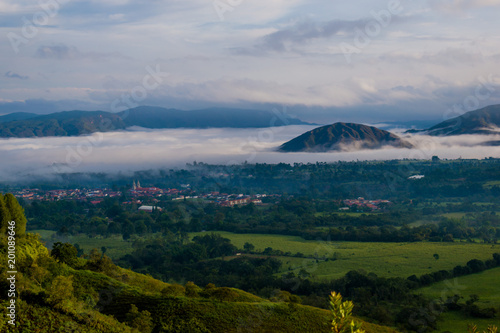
(341, 312)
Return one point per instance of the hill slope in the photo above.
(67, 123)
(343, 136)
(482, 121)
(17, 116)
(60, 292)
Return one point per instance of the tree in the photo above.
(249, 247)
(341, 312)
(16, 213)
(65, 253)
(4, 216)
(139, 320)
(61, 292)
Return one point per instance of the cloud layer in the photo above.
(138, 149)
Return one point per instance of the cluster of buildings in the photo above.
(70, 194)
(362, 203)
(137, 192)
(233, 200)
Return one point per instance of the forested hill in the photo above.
(73, 123)
(482, 121)
(61, 292)
(343, 136)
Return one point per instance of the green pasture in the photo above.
(344, 213)
(456, 215)
(116, 247)
(456, 322)
(383, 259)
(492, 183)
(484, 284)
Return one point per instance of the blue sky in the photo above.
(325, 61)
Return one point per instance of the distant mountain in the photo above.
(343, 136)
(67, 123)
(482, 121)
(17, 116)
(73, 123)
(414, 124)
(157, 117)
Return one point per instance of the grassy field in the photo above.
(384, 259)
(456, 322)
(456, 215)
(492, 183)
(352, 214)
(116, 247)
(485, 284)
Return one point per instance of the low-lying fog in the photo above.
(139, 149)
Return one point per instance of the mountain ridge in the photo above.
(484, 121)
(76, 122)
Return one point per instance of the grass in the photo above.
(492, 183)
(456, 215)
(456, 322)
(352, 214)
(484, 284)
(116, 247)
(383, 259)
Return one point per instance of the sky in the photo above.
(325, 61)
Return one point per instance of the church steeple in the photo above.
(134, 187)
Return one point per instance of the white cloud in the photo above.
(209, 60)
(140, 149)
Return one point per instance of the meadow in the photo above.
(331, 259)
(116, 247)
(383, 259)
(484, 284)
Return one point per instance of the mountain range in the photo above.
(74, 123)
(336, 137)
(348, 136)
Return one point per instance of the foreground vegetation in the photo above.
(61, 292)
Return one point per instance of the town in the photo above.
(137, 194)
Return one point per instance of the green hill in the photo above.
(482, 121)
(60, 292)
(343, 137)
(68, 123)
